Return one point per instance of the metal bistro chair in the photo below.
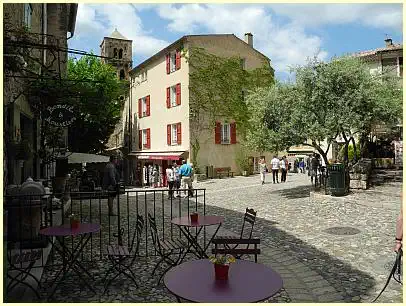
(29, 257)
(165, 248)
(232, 242)
(119, 255)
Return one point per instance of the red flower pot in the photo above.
(221, 271)
(74, 224)
(194, 217)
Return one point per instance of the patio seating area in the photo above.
(124, 258)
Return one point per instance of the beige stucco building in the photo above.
(160, 105)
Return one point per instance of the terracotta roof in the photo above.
(395, 47)
(117, 35)
(179, 42)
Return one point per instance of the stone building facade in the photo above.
(44, 25)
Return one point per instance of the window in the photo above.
(115, 52)
(120, 53)
(173, 96)
(225, 133)
(27, 15)
(145, 138)
(143, 76)
(174, 138)
(242, 62)
(144, 106)
(173, 62)
(122, 74)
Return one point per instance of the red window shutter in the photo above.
(217, 136)
(179, 133)
(168, 97)
(233, 132)
(168, 134)
(178, 94)
(168, 67)
(148, 138)
(140, 139)
(139, 108)
(177, 59)
(148, 105)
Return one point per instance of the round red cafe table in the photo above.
(185, 223)
(248, 282)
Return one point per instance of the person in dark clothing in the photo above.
(110, 181)
(315, 167)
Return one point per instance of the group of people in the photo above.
(278, 165)
(178, 177)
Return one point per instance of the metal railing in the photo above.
(28, 214)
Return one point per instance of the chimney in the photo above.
(249, 39)
(388, 42)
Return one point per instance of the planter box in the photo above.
(359, 176)
(357, 184)
(383, 163)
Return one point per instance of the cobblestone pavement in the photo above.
(291, 222)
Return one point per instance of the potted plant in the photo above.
(194, 217)
(221, 265)
(243, 162)
(74, 221)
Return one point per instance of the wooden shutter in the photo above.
(168, 134)
(179, 133)
(233, 132)
(217, 136)
(149, 138)
(177, 59)
(168, 97)
(140, 139)
(168, 64)
(139, 108)
(178, 94)
(148, 105)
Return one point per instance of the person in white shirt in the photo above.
(282, 165)
(262, 169)
(170, 177)
(175, 168)
(275, 168)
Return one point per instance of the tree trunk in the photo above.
(195, 153)
(354, 158)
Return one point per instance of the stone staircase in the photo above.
(381, 176)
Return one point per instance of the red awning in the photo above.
(158, 156)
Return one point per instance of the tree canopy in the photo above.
(327, 100)
(98, 104)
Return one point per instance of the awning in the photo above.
(80, 158)
(158, 156)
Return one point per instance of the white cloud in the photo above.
(102, 19)
(286, 45)
(374, 15)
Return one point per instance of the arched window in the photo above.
(120, 53)
(122, 74)
(115, 52)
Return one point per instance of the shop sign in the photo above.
(59, 115)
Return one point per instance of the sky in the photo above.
(288, 34)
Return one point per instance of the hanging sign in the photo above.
(59, 115)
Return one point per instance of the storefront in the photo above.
(146, 162)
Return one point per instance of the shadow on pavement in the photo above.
(296, 192)
(348, 281)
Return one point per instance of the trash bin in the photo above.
(337, 179)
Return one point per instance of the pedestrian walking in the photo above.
(315, 167)
(155, 175)
(309, 165)
(185, 172)
(110, 180)
(170, 177)
(282, 165)
(175, 168)
(275, 169)
(262, 169)
(301, 166)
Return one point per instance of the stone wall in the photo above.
(360, 173)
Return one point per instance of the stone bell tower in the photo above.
(118, 49)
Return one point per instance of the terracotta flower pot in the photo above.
(194, 217)
(221, 271)
(74, 223)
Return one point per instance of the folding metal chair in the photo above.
(236, 252)
(232, 242)
(165, 248)
(23, 272)
(123, 257)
